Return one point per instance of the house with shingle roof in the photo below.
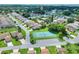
(6, 37)
(72, 26)
(17, 34)
(60, 21)
(61, 50)
(44, 50)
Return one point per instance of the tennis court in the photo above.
(43, 35)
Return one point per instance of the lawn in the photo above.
(23, 51)
(52, 49)
(41, 30)
(16, 43)
(38, 50)
(7, 52)
(2, 44)
(23, 32)
(8, 29)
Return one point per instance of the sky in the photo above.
(39, 2)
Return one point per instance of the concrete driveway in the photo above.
(9, 44)
(22, 41)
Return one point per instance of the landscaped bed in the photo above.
(7, 52)
(23, 51)
(2, 44)
(38, 50)
(16, 42)
(52, 50)
(72, 48)
(23, 33)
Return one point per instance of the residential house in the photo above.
(61, 50)
(31, 51)
(6, 37)
(17, 34)
(60, 21)
(29, 23)
(44, 50)
(72, 26)
(33, 25)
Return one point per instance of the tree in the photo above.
(33, 41)
(43, 25)
(70, 20)
(26, 15)
(67, 13)
(51, 18)
(58, 28)
(60, 35)
(16, 38)
(19, 29)
(77, 18)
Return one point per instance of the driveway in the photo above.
(22, 41)
(9, 44)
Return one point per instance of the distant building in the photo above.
(33, 25)
(72, 26)
(60, 20)
(5, 22)
(29, 23)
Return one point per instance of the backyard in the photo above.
(16, 42)
(2, 44)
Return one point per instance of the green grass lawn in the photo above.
(16, 43)
(41, 30)
(8, 29)
(2, 44)
(38, 50)
(23, 32)
(23, 51)
(52, 49)
(7, 52)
